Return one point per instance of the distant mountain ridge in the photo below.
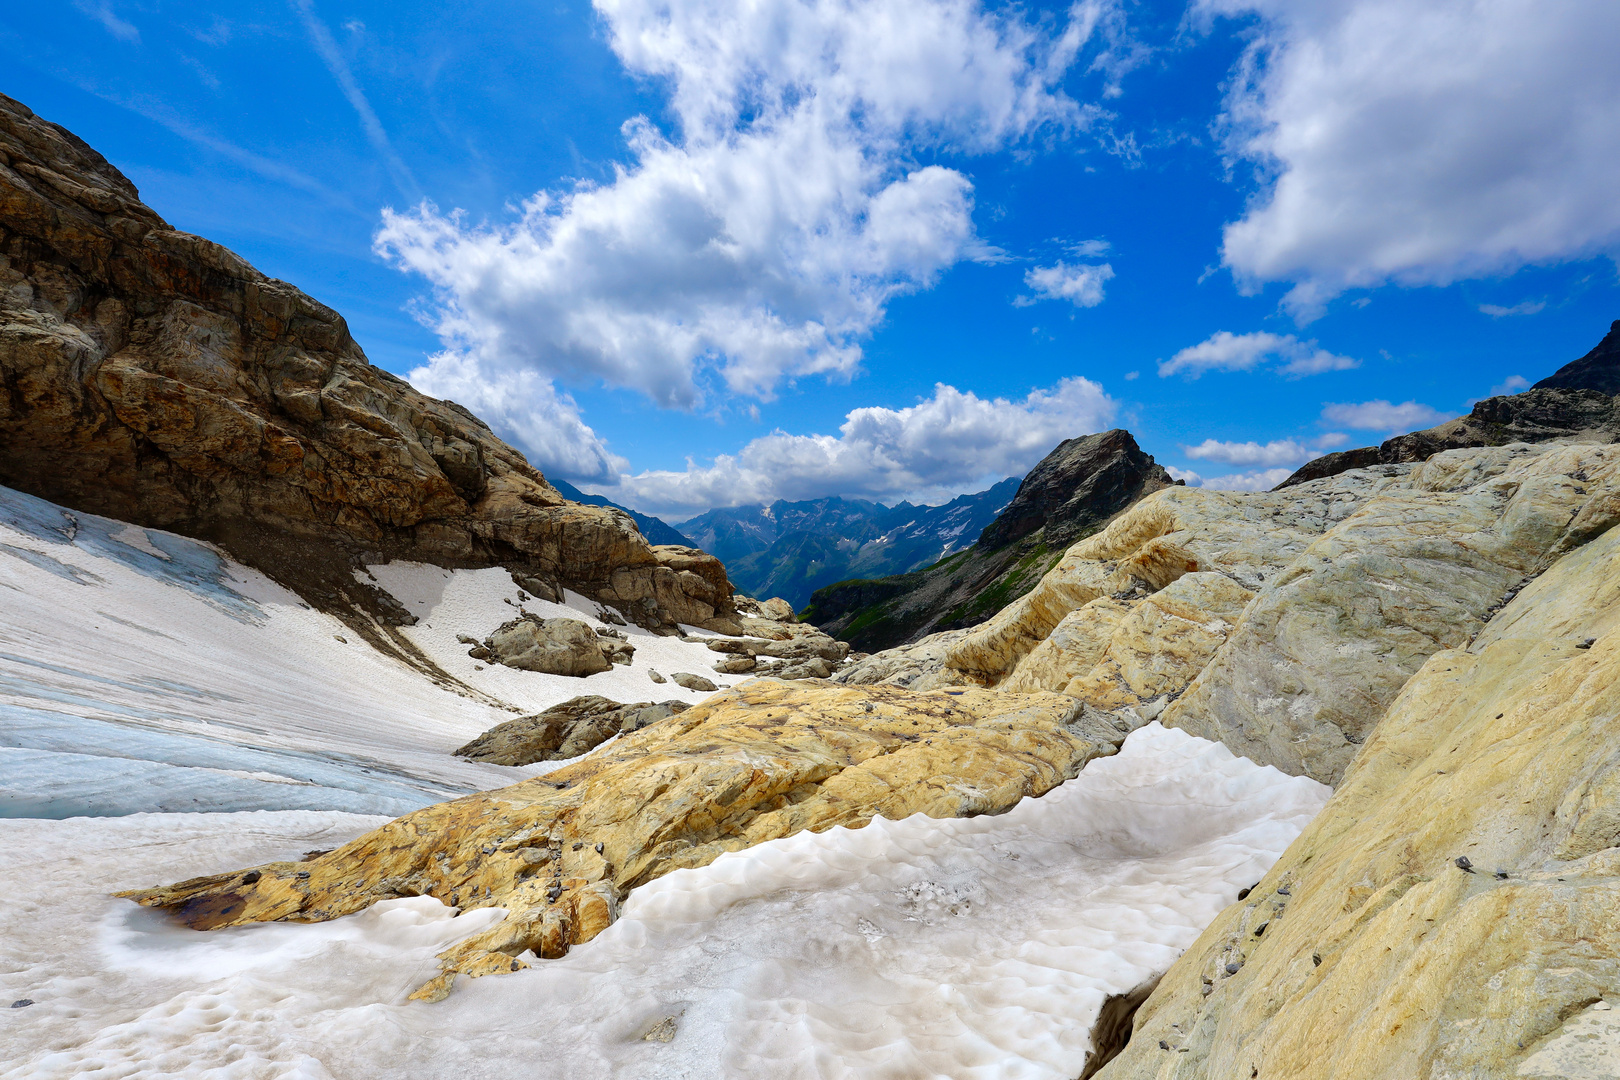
(791, 549)
(654, 530)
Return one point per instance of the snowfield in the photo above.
(967, 948)
(144, 671)
(166, 712)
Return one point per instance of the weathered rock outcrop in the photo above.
(781, 650)
(1112, 653)
(765, 760)
(565, 731)
(1454, 910)
(549, 646)
(1072, 492)
(155, 377)
(1575, 404)
(1357, 580)
(1326, 645)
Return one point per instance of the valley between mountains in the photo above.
(336, 740)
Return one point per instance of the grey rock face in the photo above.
(1598, 370)
(549, 646)
(693, 682)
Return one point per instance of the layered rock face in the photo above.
(1072, 492)
(1355, 581)
(765, 760)
(1453, 911)
(153, 376)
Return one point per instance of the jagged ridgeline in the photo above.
(791, 549)
(1073, 492)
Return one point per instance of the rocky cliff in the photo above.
(1575, 403)
(153, 376)
(1070, 493)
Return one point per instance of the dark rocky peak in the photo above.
(1598, 370)
(1076, 487)
(1577, 402)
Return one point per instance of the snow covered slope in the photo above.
(143, 671)
(976, 949)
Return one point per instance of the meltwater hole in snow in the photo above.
(975, 949)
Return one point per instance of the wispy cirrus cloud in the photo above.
(102, 11)
(1524, 307)
(336, 63)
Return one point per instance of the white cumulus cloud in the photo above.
(762, 239)
(1226, 351)
(954, 441)
(1271, 454)
(527, 410)
(1081, 284)
(1380, 415)
(1253, 480)
(1421, 143)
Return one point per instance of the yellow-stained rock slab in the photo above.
(1369, 950)
(765, 760)
(1114, 654)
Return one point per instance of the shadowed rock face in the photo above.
(154, 376)
(1576, 402)
(1075, 488)
(1598, 370)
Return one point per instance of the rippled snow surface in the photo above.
(972, 948)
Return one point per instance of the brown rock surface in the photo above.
(155, 377)
(565, 731)
(766, 760)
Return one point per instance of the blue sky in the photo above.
(690, 254)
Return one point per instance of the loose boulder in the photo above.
(549, 646)
(564, 731)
